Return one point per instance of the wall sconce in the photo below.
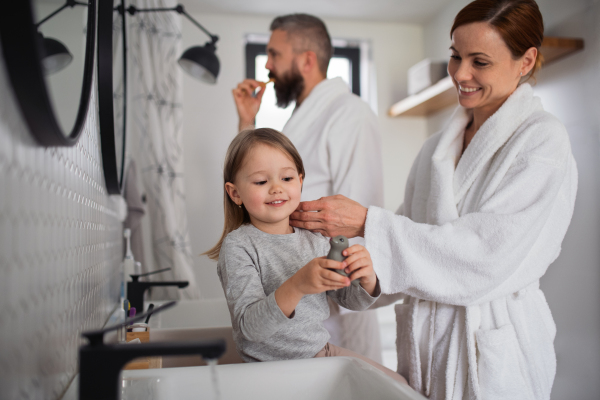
(201, 62)
(55, 55)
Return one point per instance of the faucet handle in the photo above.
(96, 338)
(135, 277)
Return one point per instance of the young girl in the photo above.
(276, 278)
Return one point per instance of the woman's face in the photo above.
(482, 67)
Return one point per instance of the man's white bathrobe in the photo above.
(468, 247)
(337, 135)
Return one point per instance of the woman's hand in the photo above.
(359, 265)
(335, 215)
(315, 277)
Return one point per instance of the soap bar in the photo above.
(338, 245)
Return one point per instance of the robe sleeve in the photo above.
(354, 149)
(497, 250)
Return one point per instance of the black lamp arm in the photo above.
(132, 10)
(69, 3)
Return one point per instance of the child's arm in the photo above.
(254, 314)
(358, 265)
(314, 277)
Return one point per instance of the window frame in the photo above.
(351, 53)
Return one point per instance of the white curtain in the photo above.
(155, 139)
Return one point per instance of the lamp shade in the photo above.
(55, 56)
(201, 62)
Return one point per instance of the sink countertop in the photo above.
(209, 313)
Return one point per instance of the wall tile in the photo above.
(60, 251)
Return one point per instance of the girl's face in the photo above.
(482, 67)
(269, 187)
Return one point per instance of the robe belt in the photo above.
(470, 320)
(416, 379)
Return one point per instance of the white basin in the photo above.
(342, 378)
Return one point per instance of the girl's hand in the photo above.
(359, 265)
(317, 277)
(314, 277)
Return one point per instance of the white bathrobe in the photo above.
(468, 247)
(337, 135)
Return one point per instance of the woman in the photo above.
(487, 204)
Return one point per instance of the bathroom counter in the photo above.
(199, 314)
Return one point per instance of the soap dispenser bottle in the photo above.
(128, 263)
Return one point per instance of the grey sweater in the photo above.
(252, 265)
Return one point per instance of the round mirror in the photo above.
(48, 48)
(112, 90)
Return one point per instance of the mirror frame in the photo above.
(24, 67)
(112, 175)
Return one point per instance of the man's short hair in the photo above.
(307, 33)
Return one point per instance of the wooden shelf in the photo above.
(555, 48)
(430, 100)
(443, 93)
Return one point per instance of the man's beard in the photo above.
(288, 86)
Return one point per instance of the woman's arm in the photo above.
(493, 252)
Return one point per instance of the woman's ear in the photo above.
(528, 60)
(233, 193)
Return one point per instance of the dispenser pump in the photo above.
(128, 261)
(127, 236)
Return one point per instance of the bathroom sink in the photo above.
(324, 378)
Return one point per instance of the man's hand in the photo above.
(335, 215)
(247, 105)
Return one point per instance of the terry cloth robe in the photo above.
(337, 136)
(469, 245)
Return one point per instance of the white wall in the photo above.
(570, 90)
(210, 119)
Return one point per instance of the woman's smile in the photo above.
(468, 91)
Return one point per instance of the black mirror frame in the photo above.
(24, 67)
(112, 176)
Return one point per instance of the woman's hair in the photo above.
(234, 160)
(519, 22)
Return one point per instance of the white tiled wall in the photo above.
(60, 246)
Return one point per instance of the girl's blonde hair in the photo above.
(236, 154)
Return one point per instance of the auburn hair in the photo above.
(519, 22)
(236, 216)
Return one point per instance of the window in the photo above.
(345, 63)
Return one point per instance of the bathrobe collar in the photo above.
(318, 99)
(449, 166)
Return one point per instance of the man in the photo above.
(335, 132)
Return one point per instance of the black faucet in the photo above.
(136, 289)
(100, 364)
